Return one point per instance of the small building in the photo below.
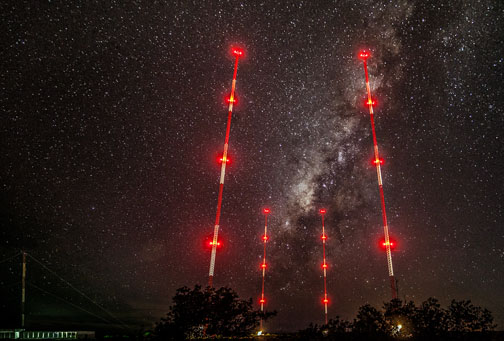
(21, 334)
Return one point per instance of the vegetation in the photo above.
(208, 312)
(398, 320)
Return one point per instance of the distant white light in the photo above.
(340, 157)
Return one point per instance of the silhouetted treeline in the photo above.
(219, 313)
(397, 320)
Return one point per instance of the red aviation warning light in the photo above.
(209, 244)
(364, 54)
(378, 161)
(322, 211)
(392, 243)
(262, 301)
(371, 102)
(237, 52)
(266, 211)
(263, 266)
(325, 266)
(232, 99)
(226, 159)
(265, 238)
(324, 237)
(325, 301)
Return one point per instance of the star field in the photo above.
(114, 117)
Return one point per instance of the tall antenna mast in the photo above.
(265, 238)
(364, 55)
(322, 212)
(237, 52)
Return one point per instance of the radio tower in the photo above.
(265, 238)
(237, 52)
(364, 55)
(322, 212)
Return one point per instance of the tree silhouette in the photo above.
(430, 319)
(197, 312)
(313, 332)
(371, 323)
(463, 316)
(400, 317)
(337, 326)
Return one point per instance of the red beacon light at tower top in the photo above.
(364, 55)
(322, 211)
(237, 52)
(266, 211)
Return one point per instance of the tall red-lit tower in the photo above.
(364, 55)
(237, 53)
(322, 212)
(265, 238)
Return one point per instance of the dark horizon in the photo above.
(77, 312)
(114, 119)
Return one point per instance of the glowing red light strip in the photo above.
(263, 265)
(223, 172)
(324, 264)
(380, 183)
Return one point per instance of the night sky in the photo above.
(113, 118)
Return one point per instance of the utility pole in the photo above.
(23, 291)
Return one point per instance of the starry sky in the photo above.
(114, 118)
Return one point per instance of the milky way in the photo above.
(114, 119)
